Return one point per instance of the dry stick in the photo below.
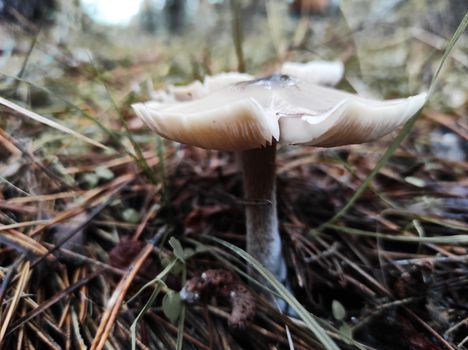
(29, 210)
(83, 295)
(112, 163)
(23, 224)
(119, 183)
(68, 328)
(22, 242)
(7, 277)
(56, 298)
(45, 197)
(96, 211)
(85, 259)
(117, 298)
(50, 122)
(8, 144)
(262, 331)
(47, 319)
(25, 273)
(141, 227)
(448, 122)
(174, 329)
(76, 330)
(46, 338)
(63, 282)
(387, 293)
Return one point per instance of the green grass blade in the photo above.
(72, 106)
(49, 122)
(461, 28)
(156, 280)
(401, 136)
(308, 319)
(453, 239)
(181, 325)
(142, 312)
(160, 150)
(138, 157)
(26, 59)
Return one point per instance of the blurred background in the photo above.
(390, 48)
(376, 31)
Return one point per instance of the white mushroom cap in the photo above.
(251, 114)
(315, 72)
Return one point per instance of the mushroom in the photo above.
(316, 72)
(251, 117)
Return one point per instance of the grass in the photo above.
(102, 223)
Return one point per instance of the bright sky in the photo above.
(115, 12)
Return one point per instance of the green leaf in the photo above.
(172, 306)
(104, 173)
(200, 248)
(91, 179)
(188, 253)
(116, 202)
(415, 181)
(178, 267)
(131, 215)
(165, 260)
(347, 332)
(177, 248)
(339, 312)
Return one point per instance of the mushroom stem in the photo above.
(263, 239)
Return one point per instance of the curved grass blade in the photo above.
(142, 312)
(159, 283)
(181, 324)
(112, 134)
(138, 157)
(454, 239)
(403, 133)
(308, 319)
(49, 122)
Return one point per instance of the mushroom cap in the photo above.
(316, 72)
(251, 114)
